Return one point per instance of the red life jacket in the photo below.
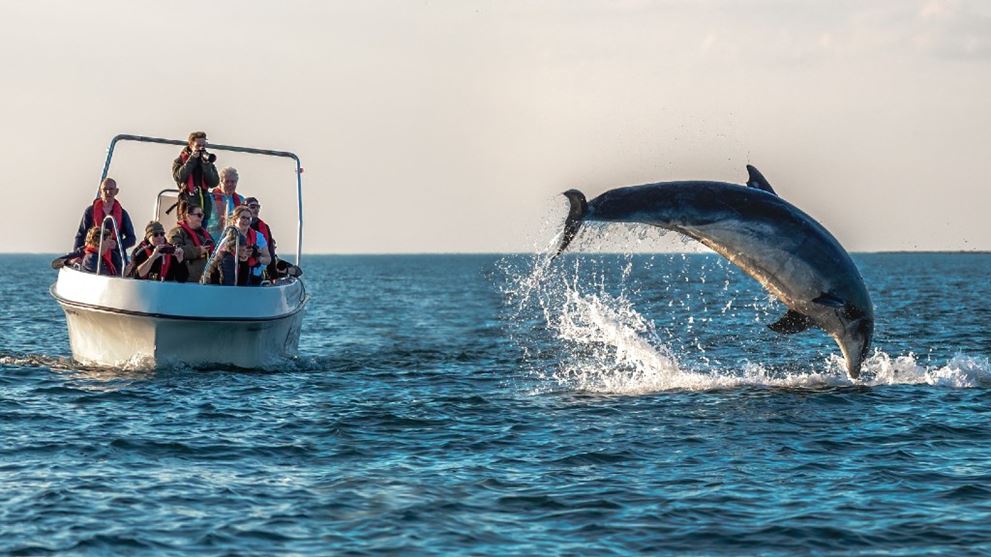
(107, 262)
(262, 227)
(252, 237)
(193, 236)
(218, 199)
(166, 262)
(98, 215)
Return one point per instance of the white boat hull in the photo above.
(116, 322)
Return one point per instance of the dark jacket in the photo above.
(177, 271)
(204, 175)
(194, 262)
(127, 238)
(89, 262)
(221, 271)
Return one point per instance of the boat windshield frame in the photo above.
(218, 147)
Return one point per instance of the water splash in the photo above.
(578, 321)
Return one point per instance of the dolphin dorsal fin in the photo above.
(757, 180)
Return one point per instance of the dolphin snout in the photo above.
(855, 343)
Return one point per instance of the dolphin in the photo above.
(790, 254)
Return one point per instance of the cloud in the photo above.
(953, 29)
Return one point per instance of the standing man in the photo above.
(195, 173)
(104, 205)
(225, 200)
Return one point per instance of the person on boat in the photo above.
(154, 259)
(104, 205)
(195, 173)
(261, 226)
(98, 256)
(221, 269)
(190, 237)
(225, 200)
(241, 217)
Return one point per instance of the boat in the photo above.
(119, 322)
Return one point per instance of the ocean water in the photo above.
(600, 404)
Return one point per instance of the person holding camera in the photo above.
(192, 239)
(195, 173)
(260, 257)
(154, 259)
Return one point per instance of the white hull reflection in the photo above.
(126, 323)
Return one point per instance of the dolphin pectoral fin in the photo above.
(829, 300)
(792, 322)
(758, 181)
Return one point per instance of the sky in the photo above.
(453, 126)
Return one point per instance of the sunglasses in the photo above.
(253, 206)
(157, 234)
(196, 214)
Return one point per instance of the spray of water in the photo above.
(579, 328)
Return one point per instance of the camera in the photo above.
(208, 157)
(166, 248)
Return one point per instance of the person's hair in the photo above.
(185, 207)
(93, 236)
(182, 210)
(229, 171)
(109, 180)
(193, 136)
(236, 213)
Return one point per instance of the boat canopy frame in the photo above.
(232, 148)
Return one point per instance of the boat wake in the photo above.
(16, 359)
(579, 329)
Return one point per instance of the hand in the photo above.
(195, 153)
(204, 251)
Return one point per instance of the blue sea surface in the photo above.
(509, 405)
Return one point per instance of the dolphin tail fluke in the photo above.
(576, 216)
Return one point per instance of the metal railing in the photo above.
(205, 277)
(120, 249)
(234, 149)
